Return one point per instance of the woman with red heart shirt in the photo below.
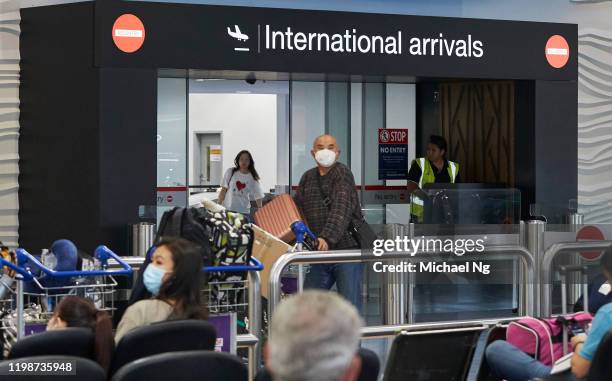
(241, 185)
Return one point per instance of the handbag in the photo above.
(359, 230)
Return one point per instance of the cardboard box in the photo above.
(267, 249)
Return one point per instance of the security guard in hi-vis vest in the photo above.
(431, 169)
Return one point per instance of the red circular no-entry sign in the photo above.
(128, 33)
(169, 198)
(557, 51)
(590, 233)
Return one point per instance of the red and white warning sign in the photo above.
(172, 196)
(128, 33)
(392, 136)
(590, 233)
(557, 51)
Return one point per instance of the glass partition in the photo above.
(171, 132)
(469, 209)
(171, 144)
(307, 122)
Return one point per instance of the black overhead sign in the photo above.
(204, 37)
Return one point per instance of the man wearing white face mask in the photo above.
(328, 201)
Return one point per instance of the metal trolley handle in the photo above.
(102, 253)
(24, 274)
(254, 265)
(301, 231)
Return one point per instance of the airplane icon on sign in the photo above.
(237, 34)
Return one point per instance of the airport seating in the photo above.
(370, 367)
(184, 366)
(77, 342)
(86, 369)
(440, 354)
(478, 369)
(167, 336)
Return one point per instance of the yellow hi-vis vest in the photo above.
(427, 177)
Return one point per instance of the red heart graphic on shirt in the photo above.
(240, 185)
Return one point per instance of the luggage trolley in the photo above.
(11, 274)
(229, 295)
(231, 305)
(42, 288)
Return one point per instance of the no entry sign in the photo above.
(590, 233)
(557, 51)
(128, 33)
(392, 153)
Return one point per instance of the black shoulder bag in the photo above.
(361, 231)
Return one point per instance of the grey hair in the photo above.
(314, 336)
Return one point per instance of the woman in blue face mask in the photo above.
(174, 278)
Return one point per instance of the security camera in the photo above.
(251, 79)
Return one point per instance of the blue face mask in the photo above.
(152, 279)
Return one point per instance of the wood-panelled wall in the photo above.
(478, 124)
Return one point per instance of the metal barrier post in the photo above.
(300, 274)
(574, 279)
(20, 321)
(547, 262)
(535, 245)
(518, 270)
(255, 321)
(394, 295)
(411, 282)
(564, 309)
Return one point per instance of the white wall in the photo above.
(247, 121)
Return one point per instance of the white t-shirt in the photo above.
(241, 188)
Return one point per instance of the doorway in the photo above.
(226, 117)
(208, 169)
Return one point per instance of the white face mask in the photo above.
(325, 157)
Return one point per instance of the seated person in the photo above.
(600, 294)
(314, 336)
(74, 311)
(174, 278)
(510, 363)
